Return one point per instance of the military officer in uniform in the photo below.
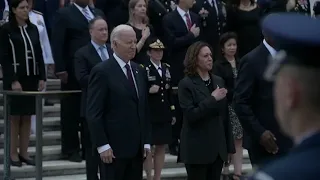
(156, 10)
(296, 70)
(213, 15)
(160, 105)
(37, 19)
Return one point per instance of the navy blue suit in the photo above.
(301, 163)
(2, 6)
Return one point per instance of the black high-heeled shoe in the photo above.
(30, 162)
(15, 163)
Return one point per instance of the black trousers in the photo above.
(91, 155)
(205, 171)
(125, 169)
(176, 128)
(70, 120)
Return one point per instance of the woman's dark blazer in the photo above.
(206, 131)
(223, 69)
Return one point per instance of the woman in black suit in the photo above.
(23, 70)
(206, 136)
(227, 68)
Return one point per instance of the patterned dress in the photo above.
(236, 126)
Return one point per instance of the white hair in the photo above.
(115, 34)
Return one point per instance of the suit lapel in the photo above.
(95, 56)
(200, 86)
(136, 76)
(118, 72)
(79, 16)
(180, 21)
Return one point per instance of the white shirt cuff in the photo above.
(103, 148)
(147, 146)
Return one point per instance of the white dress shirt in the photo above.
(105, 50)
(183, 15)
(122, 64)
(271, 50)
(87, 8)
(6, 5)
(37, 19)
(214, 4)
(157, 68)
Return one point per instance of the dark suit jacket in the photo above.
(70, 32)
(116, 11)
(223, 69)
(301, 163)
(115, 114)
(214, 25)
(84, 60)
(179, 38)
(206, 131)
(253, 97)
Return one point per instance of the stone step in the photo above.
(54, 153)
(52, 84)
(49, 138)
(63, 170)
(48, 111)
(49, 153)
(49, 124)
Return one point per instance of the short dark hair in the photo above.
(191, 58)
(226, 37)
(92, 21)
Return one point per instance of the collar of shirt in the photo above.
(156, 66)
(81, 8)
(97, 46)
(271, 50)
(182, 12)
(298, 140)
(121, 63)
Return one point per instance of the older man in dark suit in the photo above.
(254, 106)
(70, 32)
(117, 110)
(85, 59)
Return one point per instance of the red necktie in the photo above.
(189, 23)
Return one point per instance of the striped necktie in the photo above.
(86, 14)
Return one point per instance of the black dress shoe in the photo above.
(75, 157)
(15, 163)
(30, 162)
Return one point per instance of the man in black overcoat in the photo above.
(69, 33)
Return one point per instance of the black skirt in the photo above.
(161, 133)
(23, 105)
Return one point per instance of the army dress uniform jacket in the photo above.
(160, 103)
(37, 19)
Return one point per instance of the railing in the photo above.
(39, 117)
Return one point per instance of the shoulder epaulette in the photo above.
(142, 65)
(37, 12)
(168, 65)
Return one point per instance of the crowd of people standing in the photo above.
(128, 106)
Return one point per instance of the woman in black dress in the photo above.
(160, 105)
(139, 21)
(243, 18)
(206, 135)
(227, 68)
(23, 70)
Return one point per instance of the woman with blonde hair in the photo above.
(139, 21)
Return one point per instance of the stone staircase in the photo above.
(56, 169)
